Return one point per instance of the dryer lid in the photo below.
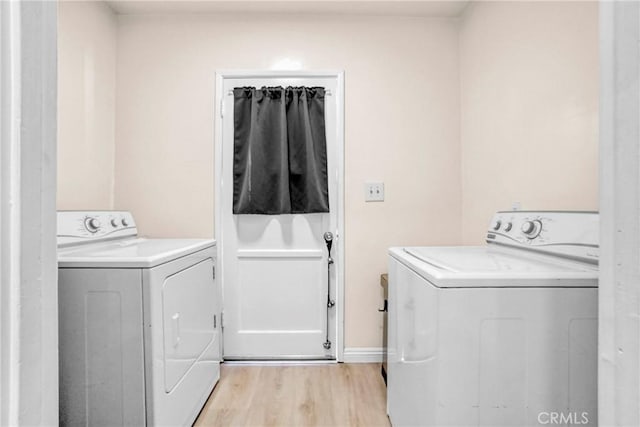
(489, 266)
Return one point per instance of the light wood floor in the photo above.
(297, 395)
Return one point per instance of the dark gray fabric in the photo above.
(307, 150)
(261, 152)
(280, 151)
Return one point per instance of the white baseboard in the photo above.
(362, 355)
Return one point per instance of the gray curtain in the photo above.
(280, 151)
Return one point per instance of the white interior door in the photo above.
(274, 267)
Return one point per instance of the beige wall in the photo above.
(529, 109)
(458, 118)
(401, 127)
(86, 105)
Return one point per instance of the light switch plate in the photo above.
(374, 191)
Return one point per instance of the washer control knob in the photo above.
(528, 227)
(531, 228)
(92, 224)
(508, 227)
(496, 225)
(114, 223)
(125, 222)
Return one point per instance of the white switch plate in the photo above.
(374, 191)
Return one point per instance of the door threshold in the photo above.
(280, 362)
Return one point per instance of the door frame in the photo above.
(221, 77)
(28, 255)
(619, 290)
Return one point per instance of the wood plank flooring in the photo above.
(297, 395)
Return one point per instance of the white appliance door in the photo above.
(480, 260)
(187, 314)
(182, 346)
(494, 267)
(274, 267)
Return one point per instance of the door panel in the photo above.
(274, 267)
(261, 283)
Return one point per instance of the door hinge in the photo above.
(222, 320)
(221, 107)
(214, 273)
(215, 321)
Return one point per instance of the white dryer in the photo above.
(497, 335)
(139, 323)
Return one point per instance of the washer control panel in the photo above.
(93, 226)
(566, 233)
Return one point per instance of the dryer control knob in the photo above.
(125, 222)
(508, 227)
(92, 224)
(496, 225)
(114, 223)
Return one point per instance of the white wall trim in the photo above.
(9, 211)
(340, 236)
(363, 355)
(28, 267)
(619, 287)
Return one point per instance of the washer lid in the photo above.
(129, 253)
(490, 266)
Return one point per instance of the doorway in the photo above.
(276, 278)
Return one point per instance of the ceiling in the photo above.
(433, 8)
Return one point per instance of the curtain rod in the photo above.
(326, 92)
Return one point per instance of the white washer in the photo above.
(139, 323)
(497, 335)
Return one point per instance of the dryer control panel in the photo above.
(93, 226)
(565, 233)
